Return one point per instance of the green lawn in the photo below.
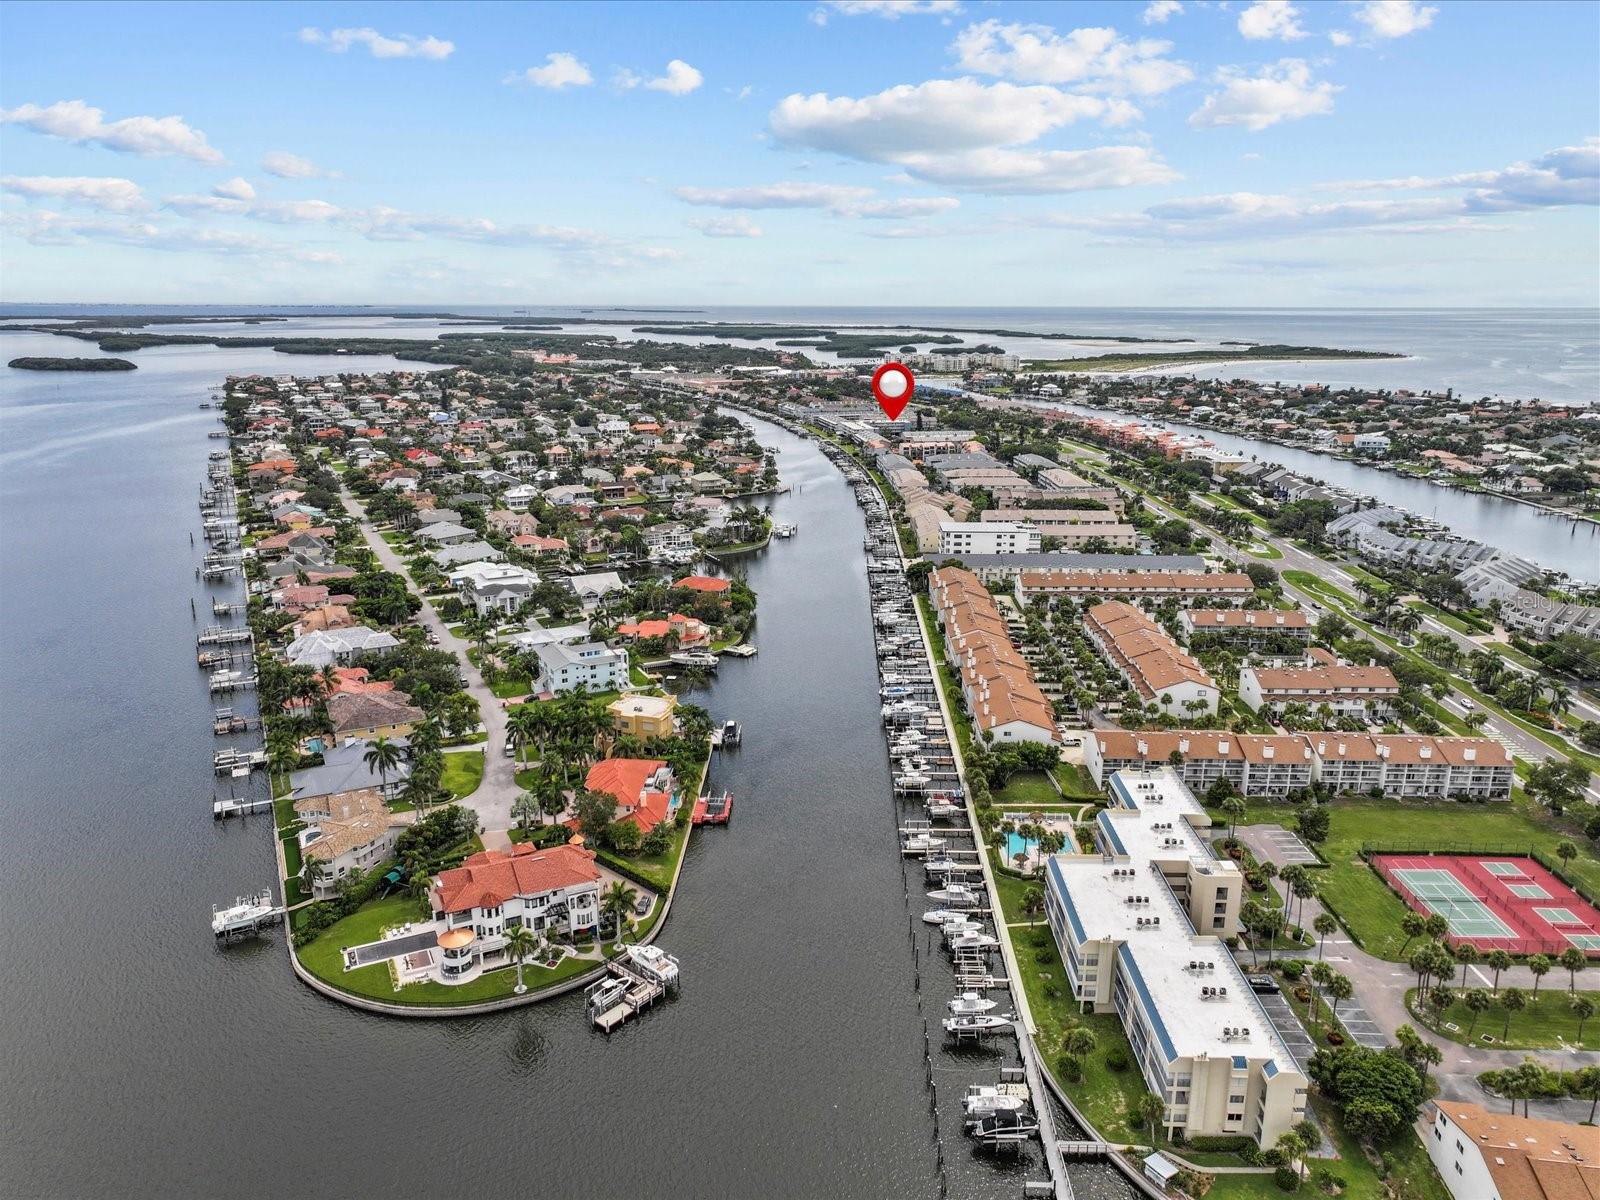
(1027, 788)
(1363, 902)
(1546, 1024)
(1076, 782)
(1320, 588)
(463, 772)
(1105, 1096)
(507, 686)
(323, 959)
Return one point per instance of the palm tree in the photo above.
(1582, 1008)
(1033, 904)
(521, 943)
(1497, 961)
(1340, 989)
(1572, 961)
(1477, 1001)
(420, 886)
(1324, 924)
(312, 872)
(383, 756)
(1539, 964)
(1149, 1109)
(1079, 1041)
(616, 901)
(1513, 1000)
(525, 809)
(1290, 1145)
(1233, 808)
(1466, 954)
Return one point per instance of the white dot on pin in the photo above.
(893, 384)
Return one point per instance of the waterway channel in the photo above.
(1550, 540)
(143, 1060)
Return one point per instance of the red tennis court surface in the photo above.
(1496, 902)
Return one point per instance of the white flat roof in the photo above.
(1098, 891)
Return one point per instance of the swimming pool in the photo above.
(1017, 844)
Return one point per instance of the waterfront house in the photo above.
(592, 666)
(344, 769)
(685, 632)
(590, 589)
(348, 832)
(643, 788)
(343, 647)
(370, 715)
(705, 585)
(644, 717)
(555, 891)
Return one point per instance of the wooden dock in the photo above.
(235, 807)
(622, 995)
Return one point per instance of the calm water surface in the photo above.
(141, 1060)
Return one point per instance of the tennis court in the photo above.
(1503, 902)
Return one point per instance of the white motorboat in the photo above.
(982, 1099)
(245, 915)
(969, 1003)
(901, 710)
(894, 692)
(975, 940)
(976, 1023)
(957, 895)
(943, 810)
(911, 781)
(920, 843)
(959, 926)
(653, 962)
(938, 916)
(695, 658)
(947, 866)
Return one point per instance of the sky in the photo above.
(1281, 153)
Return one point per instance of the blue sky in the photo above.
(925, 152)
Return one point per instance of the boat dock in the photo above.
(238, 763)
(223, 635)
(634, 981)
(231, 681)
(233, 806)
(225, 721)
(246, 916)
(713, 810)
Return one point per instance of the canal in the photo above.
(1551, 541)
(143, 1060)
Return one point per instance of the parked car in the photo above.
(1264, 985)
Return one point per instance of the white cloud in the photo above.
(1564, 177)
(941, 115)
(106, 193)
(291, 166)
(397, 45)
(44, 228)
(1037, 172)
(736, 226)
(234, 189)
(1394, 18)
(680, 79)
(1282, 92)
(1157, 11)
(957, 132)
(889, 10)
(560, 70)
(1267, 19)
(775, 195)
(150, 137)
(899, 210)
(1098, 59)
(1340, 38)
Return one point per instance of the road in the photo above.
(1518, 741)
(493, 799)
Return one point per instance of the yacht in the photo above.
(654, 962)
(947, 866)
(976, 1023)
(957, 895)
(695, 658)
(920, 843)
(971, 1003)
(940, 809)
(903, 708)
(938, 916)
(909, 781)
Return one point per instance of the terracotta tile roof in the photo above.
(997, 680)
(353, 819)
(703, 583)
(1530, 1158)
(491, 877)
(1324, 679)
(1138, 581)
(347, 711)
(625, 778)
(1150, 659)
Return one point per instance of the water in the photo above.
(1549, 354)
(1551, 541)
(142, 1060)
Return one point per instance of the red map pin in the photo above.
(892, 385)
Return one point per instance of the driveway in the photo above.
(493, 799)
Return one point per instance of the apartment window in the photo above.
(1235, 1099)
(1458, 1147)
(1437, 1136)
(1219, 922)
(1222, 893)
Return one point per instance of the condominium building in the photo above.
(1257, 764)
(1411, 765)
(1249, 627)
(1159, 670)
(1348, 691)
(998, 685)
(1159, 585)
(1072, 527)
(1139, 926)
(987, 537)
(1484, 1155)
